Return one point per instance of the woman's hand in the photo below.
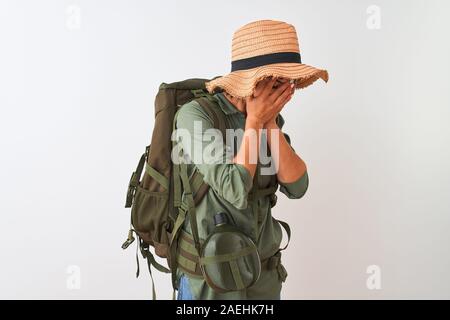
(267, 100)
(272, 123)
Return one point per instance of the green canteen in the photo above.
(229, 259)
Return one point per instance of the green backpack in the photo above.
(155, 198)
(164, 196)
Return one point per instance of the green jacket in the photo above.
(229, 186)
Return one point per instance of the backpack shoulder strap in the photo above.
(219, 122)
(214, 112)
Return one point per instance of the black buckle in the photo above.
(132, 185)
(198, 93)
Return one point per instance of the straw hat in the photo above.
(261, 49)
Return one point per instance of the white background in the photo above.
(77, 110)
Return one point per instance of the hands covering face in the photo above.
(270, 96)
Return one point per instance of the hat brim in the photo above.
(242, 83)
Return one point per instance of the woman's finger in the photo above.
(278, 107)
(261, 86)
(284, 94)
(268, 87)
(287, 100)
(282, 104)
(258, 88)
(279, 91)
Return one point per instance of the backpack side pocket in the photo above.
(149, 217)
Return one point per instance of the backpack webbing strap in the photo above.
(288, 232)
(187, 256)
(176, 186)
(236, 275)
(149, 270)
(196, 180)
(176, 170)
(173, 248)
(227, 257)
(151, 259)
(146, 254)
(135, 177)
(187, 194)
(161, 179)
(187, 208)
(199, 187)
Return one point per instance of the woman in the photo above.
(266, 70)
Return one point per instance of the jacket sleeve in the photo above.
(203, 145)
(298, 188)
